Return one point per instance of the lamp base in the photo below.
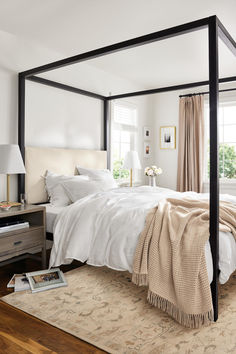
(12, 204)
(131, 177)
(7, 203)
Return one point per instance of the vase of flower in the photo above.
(152, 172)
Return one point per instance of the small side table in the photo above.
(22, 243)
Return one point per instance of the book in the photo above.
(46, 279)
(15, 226)
(11, 283)
(9, 223)
(38, 281)
(21, 283)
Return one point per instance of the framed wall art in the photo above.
(168, 137)
(147, 133)
(147, 149)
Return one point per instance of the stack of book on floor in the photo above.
(13, 225)
(19, 282)
(38, 281)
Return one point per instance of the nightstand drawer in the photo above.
(23, 241)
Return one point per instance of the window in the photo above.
(123, 136)
(227, 141)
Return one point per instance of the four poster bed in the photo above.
(215, 30)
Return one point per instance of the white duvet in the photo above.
(103, 229)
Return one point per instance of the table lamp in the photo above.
(131, 162)
(11, 162)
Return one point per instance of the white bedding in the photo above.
(51, 215)
(103, 229)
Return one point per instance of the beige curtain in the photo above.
(191, 144)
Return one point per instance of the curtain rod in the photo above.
(205, 93)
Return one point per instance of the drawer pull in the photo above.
(17, 243)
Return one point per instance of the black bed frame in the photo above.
(215, 30)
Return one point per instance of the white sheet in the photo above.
(51, 215)
(103, 229)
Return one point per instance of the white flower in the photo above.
(152, 171)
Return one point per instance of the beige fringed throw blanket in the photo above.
(170, 258)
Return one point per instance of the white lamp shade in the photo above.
(11, 161)
(132, 160)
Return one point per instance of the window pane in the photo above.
(124, 130)
(116, 135)
(118, 171)
(124, 149)
(125, 137)
(221, 133)
(227, 140)
(115, 151)
(221, 115)
(230, 133)
(227, 160)
(230, 115)
(125, 115)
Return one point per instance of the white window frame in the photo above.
(131, 128)
(226, 101)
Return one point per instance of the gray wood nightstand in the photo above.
(23, 243)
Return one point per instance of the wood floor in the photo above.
(22, 333)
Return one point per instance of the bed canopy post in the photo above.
(106, 127)
(214, 159)
(21, 128)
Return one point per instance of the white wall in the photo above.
(58, 118)
(8, 118)
(16, 55)
(165, 113)
(145, 116)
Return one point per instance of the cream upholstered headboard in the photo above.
(62, 161)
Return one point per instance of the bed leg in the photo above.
(214, 294)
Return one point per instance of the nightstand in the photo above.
(22, 243)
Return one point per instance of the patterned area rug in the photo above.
(104, 308)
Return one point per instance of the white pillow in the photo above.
(104, 176)
(58, 196)
(56, 192)
(78, 189)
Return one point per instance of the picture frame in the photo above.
(147, 133)
(168, 137)
(146, 149)
(46, 279)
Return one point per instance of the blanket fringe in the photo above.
(187, 320)
(140, 279)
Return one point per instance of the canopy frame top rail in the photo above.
(128, 44)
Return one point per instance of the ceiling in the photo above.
(71, 27)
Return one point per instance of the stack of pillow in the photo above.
(64, 190)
